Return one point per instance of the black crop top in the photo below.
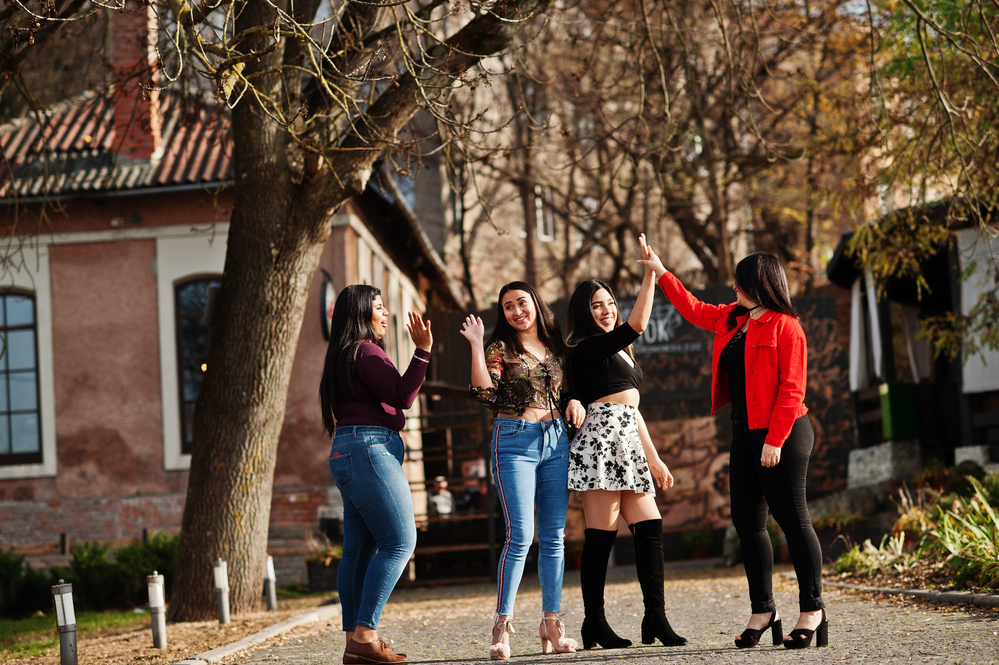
(599, 370)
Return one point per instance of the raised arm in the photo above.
(380, 376)
(699, 313)
(474, 331)
(642, 311)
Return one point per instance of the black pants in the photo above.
(779, 490)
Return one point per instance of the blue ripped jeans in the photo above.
(379, 530)
(530, 464)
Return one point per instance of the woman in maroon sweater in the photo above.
(362, 397)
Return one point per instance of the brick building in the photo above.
(117, 212)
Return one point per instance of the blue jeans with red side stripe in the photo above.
(530, 465)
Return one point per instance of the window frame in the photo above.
(31, 276)
(16, 459)
(179, 259)
(185, 447)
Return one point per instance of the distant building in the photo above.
(911, 406)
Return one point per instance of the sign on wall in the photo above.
(661, 335)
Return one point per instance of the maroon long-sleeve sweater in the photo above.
(380, 393)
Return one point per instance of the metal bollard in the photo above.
(157, 610)
(62, 595)
(270, 584)
(222, 590)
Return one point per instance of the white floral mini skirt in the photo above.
(607, 454)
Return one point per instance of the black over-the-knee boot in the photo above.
(649, 563)
(592, 576)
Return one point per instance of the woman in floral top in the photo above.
(518, 376)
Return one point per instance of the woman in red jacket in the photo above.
(759, 362)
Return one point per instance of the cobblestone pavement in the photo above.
(708, 606)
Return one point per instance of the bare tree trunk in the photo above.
(530, 228)
(241, 405)
(525, 182)
(284, 200)
(274, 244)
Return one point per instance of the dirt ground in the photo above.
(184, 640)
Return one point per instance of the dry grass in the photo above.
(184, 640)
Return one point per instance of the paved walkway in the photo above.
(708, 606)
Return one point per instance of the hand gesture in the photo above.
(575, 412)
(649, 258)
(770, 456)
(473, 330)
(419, 331)
(661, 474)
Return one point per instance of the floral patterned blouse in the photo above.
(520, 381)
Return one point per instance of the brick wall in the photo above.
(137, 118)
(34, 528)
(294, 517)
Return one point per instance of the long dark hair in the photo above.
(549, 330)
(761, 278)
(581, 322)
(351, 325)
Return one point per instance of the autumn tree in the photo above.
(715, 128)
(934, 81)
(317, 92)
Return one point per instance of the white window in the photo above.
(181, 262)
(27, 382)
(20, 422)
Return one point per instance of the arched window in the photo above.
(20, 422)
(190, 301)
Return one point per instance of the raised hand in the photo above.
(473, 330)
(650, 259)
(419, 331)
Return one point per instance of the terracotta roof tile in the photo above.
(70, 148)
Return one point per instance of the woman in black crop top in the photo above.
(612, 461)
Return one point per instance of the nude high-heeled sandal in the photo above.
(499, 650)
(560, 643)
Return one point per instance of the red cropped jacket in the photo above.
(776, 361)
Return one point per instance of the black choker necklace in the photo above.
(755, 308)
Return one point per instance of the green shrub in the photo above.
(960, 482)
(957, 532)
(890, 557)
(98, 584)
(990, 488)
(23, 590)
(101, 583)
(136, 562)
(967, 536)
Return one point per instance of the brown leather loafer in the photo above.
(378, 651)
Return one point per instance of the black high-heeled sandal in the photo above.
(801, 638)
(751, 636)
